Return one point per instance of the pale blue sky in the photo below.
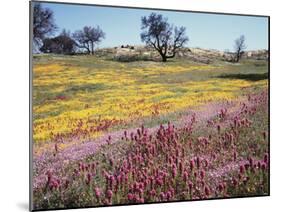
(122, 25)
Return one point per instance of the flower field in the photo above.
(108, 133)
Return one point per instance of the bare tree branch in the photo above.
(239, 47)
(88, 37)
(43, 23)
(158, 33)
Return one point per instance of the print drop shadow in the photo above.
(23, 206)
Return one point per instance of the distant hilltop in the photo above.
(128, 53)
(208, 55)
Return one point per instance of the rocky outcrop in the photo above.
(127, 53)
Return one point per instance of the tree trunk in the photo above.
(92, 48)
(238, 58)
(164, 58)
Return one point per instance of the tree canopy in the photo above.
(88, 37)
(43, 23)
(239, 47)
(162, 36)
(61, 44)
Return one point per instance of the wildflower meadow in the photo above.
(110, 133)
